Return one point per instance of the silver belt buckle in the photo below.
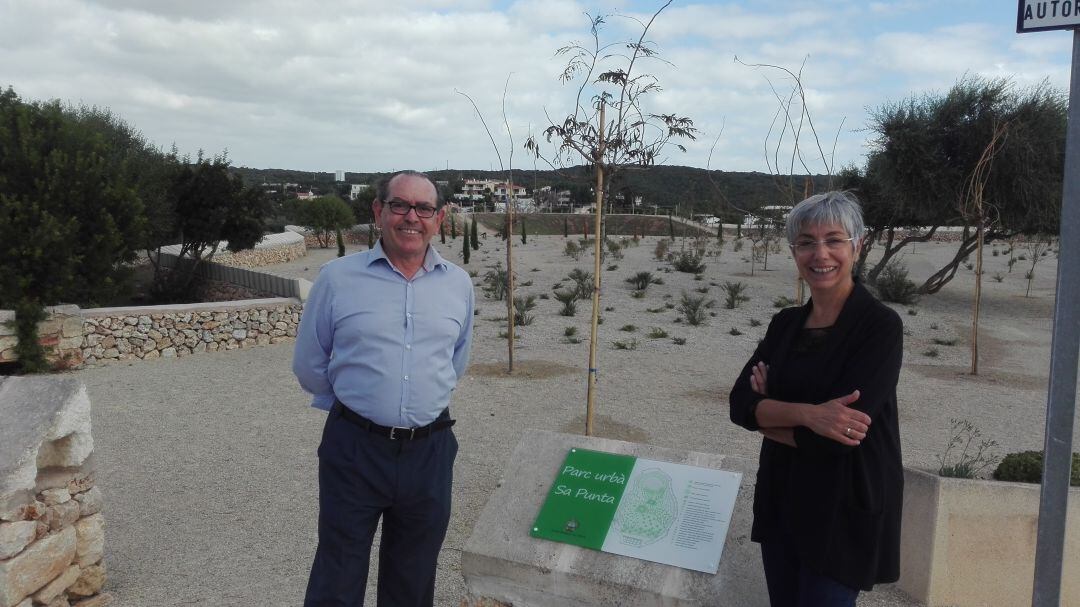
(394, 429)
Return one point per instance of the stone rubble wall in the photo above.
(171, 332)
(356, 235)
(252, 258)
(52, 530)
(101, 334)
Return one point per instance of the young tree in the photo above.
(610, 80)
(465, 250)
(324, 216)
(209, 206)
(474, 238)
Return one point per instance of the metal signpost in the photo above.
(1041, 15)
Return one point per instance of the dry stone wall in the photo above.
(52, 529)
(253, 258)
(170, 332)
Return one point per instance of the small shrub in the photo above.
(894, 286)
(669, 305)
(969, 266)
(678, 341)
(783, 302)
(694, 308)
(661, 250)
(523, 304)
(474, 273)
(737, 245)
(628, 328)
(912, 312)
(638, 294)
(609, 309)
(995, 252)
(755, 322)
(527, 283)
(544, 296)
(572, 250)
(998, 277)
(943, 342)
(627, 344)
(931, 353)
(568, 299)
(658, 333)
(933, 326)
(569, 331)
(689, 262)
(971, 454)
(1027, 467)
(496, 281)
(734, 294)
(658, 281)
(612, 267)
(583, 282)
(702, 289)
(735, 331)
(504, 334)
(699, 277)
(641, 280)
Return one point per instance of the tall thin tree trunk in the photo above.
(510, 277)
(591, 394)
(978, 298)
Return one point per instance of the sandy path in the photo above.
(208, 461)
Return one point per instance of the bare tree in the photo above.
(610, 129)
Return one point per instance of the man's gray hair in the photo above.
(831, 207)
(382, 186)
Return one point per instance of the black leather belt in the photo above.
(395, 432)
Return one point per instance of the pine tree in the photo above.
(523, 238)
(442, 232)
(453, 227)
(475, 237)
(565, 228)
(465, 250)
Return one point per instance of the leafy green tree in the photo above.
(325, 215)
(209, 205)
(924, 154)
(361, 205)
(70, 214)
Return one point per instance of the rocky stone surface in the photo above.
(252, 258)
(169, 333)
(52, 531)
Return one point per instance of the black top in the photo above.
(839, 506)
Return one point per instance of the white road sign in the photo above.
(1041, 15)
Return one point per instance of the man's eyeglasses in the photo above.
(400, 207)
(832, 244)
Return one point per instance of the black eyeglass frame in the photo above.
(400, 207)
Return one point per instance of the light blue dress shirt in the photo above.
(389, 348)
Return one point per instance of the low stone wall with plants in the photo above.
(253, 258)
(174, 331)
(52, 530)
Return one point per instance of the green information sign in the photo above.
(657, 511)
(584, 498)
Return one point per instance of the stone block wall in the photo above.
(52, 529)
(174, 331)
(62, 331)
(253, 258)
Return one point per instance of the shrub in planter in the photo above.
(1027, 467)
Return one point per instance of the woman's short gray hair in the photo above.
(831, 207)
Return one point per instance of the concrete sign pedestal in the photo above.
(503, 565)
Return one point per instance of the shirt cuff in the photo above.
(323, 401)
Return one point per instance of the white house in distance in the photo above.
(355, 189)
(474, 189)
(339, 176)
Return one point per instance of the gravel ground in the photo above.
(208, 461)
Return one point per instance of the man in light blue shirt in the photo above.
(384, 338)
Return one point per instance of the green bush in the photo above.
(689, 262)
(893, 284)
(1027, 467)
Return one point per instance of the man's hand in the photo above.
(836, 420)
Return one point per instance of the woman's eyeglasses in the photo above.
(831, 244)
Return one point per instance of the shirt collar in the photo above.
(432, 259)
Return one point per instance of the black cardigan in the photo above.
(838, 505)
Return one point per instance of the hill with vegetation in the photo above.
(683, 190)
(575, 224)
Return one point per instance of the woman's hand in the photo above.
(836, 420)
(759, 376)
(785, 436)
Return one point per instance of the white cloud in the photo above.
(367, 85)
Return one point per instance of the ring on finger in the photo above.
(847, 431)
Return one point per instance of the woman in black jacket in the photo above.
(821, 388)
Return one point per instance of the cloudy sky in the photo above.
(363, 85)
